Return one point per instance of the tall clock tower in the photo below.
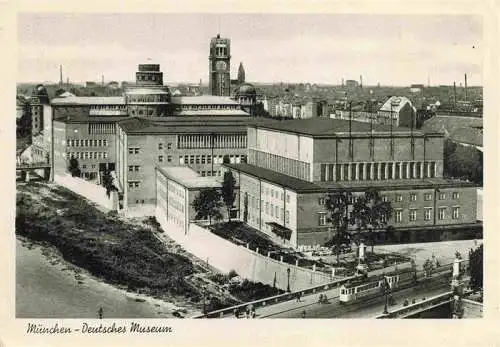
(219, 66)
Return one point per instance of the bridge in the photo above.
(27, 168)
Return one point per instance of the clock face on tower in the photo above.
(220, 66)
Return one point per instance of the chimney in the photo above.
(465, 87)
(102, 77)
(454, 94)
(60, 76)
(361, 81)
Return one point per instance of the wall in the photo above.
(88, 190)
(226, 256)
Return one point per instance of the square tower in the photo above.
(219, 66)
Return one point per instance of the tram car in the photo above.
(374, 286)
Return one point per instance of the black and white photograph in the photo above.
(246, 166)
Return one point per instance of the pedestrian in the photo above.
(320, 298)
(100, 312)
(235, 311)
(253, 314)
(413, 301)
(298, 297)
(405, 302)
(303, 313)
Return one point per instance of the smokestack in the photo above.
(67, 82)
(465, 87)
(454, 94)
(60, 76)
(361, 81)
(342, 81)
(102, 77)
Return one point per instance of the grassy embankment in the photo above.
(109, 248)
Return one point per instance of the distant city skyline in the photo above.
(396, 50)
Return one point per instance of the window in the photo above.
(272, 210)
(413, 197)
(169, 145)
(322, 219)
(105, 143)
(413, 215)
(287, 198)
(398, 216)
(383, 218)
(197, 159)
(456, 212)
(130, 168)
(442, 196)
(455, 195)
(136, 168)
(287, 216)
(203, 159)
(181, 160)
(276, 211)
(191, 159)
(267, 208)
(84, 166)
(385, 198)
(399, 198)
(160, 146)
(442, 213)
(169, 158)
(427, 213)
(133, 184)
(427, 196)
(321, 201)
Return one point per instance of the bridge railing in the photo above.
(419, 306)
(276, 299)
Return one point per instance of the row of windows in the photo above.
(148, 78)
(102, 128)
(210, 173)
(442, 214)
(86, 143)
(86, 155)
(133, 184)
(161, 158)
(412, 215)
(205, 107)
(212, 141)
(269, 209)
(147, 98)
(399, 197)
(276, 194)
(133, 168)
(377, 171)
(207, 159)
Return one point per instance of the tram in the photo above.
(374, 286)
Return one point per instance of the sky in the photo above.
(314, 48)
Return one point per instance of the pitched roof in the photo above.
(471, 136)
(397, 102)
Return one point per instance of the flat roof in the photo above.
(302, 186)
(89, 100)
(328, 127)
(188, 178)
(236, 112)
(203, 100)
(171, 125)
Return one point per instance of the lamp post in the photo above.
(386, 292)
(288, 280)
(204, 300)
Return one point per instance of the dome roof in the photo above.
(246, 89)
(40, 90)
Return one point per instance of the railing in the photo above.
(33, 165)
(276, 299)
(412, 309)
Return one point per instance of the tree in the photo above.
(371, 213)
(207, 204)
(227, 191)
(476, 268)
(107, 182)
(74, 168)
(464, 162)
(337, 205)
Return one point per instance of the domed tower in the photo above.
(39, 97)
(219, 66)
(148, 97)
(246, 96)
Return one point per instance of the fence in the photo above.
(275, 299)
(226, 256)
(88, 190)
(413, 309)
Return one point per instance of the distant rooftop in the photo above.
(236, 112)
(187, 177)
(168, 125)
